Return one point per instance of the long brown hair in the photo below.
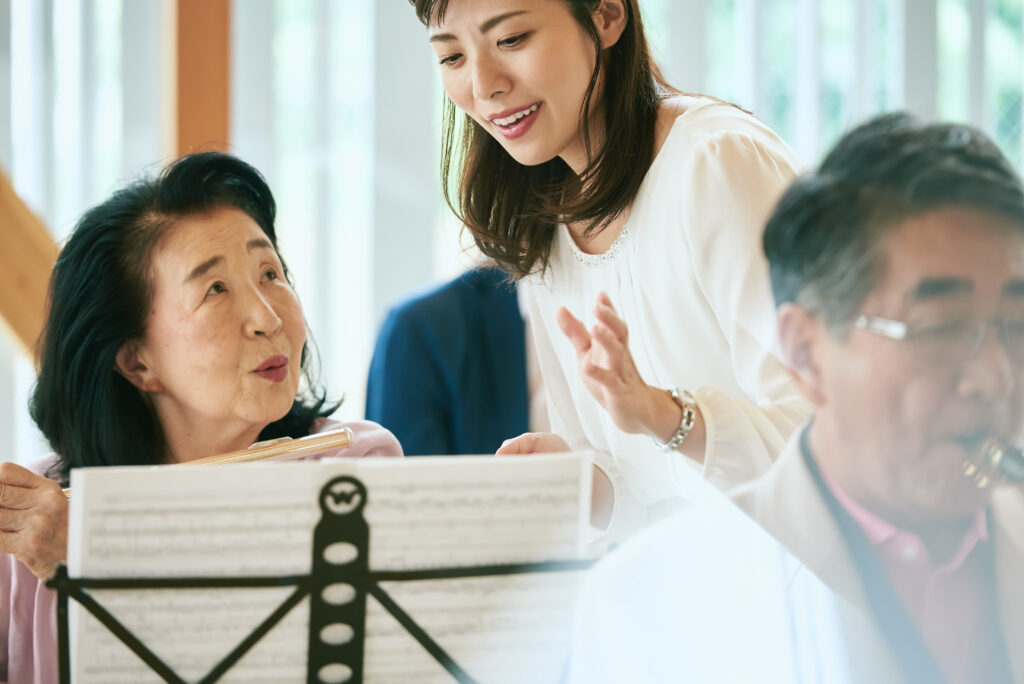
(512, 209)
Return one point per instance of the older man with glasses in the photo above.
(898, 273)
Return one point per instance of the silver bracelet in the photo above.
(686, 402)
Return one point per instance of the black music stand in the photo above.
(341, 543)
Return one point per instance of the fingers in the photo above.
(21, 489)
(11, 520)
(18, 486)
(33, 519)
(512, 447)
(606, 378)
(607, 315)
(532, 443)
(573, 329)
(16, 476)
(614, 351)
(38, 554)
(17, 498)
(42, 509)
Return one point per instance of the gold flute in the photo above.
(277, 450)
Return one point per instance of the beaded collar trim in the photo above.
(598, 259)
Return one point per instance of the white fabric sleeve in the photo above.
(731, 189)
(629, 513)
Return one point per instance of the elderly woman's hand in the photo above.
(33, 519)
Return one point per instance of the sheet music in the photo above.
(257, 520)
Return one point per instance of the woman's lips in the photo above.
(274, 369)
(520, 127)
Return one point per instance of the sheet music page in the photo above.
(258, 520)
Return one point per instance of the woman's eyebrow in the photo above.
(484, 27)
(198, 271)
(259, 243)
(202, 268)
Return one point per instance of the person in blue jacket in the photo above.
(448, 374)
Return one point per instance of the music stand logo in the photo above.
(343, 496)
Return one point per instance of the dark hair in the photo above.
(824, 241)
(512, 209)
(100, 293)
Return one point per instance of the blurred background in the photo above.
(338, 103)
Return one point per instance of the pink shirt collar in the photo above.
(952, 605)
(882, 533)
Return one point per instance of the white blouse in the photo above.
(688, 276)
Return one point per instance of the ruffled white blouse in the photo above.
(688, 276)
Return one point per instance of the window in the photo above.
(811, 69)
(338, 103)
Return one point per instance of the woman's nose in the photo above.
(261, 319)
(489, 78)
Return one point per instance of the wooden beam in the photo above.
(203, 78)
(26, 260)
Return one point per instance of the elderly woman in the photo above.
(173, 333)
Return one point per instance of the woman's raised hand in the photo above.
(607, 367)
(33, 519)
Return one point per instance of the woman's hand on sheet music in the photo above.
(33, 519)
(533, 443)
(602, 496)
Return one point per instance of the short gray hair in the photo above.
(825, 239)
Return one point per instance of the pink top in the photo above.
(950, 603)
(28, 617)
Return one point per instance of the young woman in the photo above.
(173, 333)
(582, 172)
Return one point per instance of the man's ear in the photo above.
(610, 19)
(801, 336)
(130, 362)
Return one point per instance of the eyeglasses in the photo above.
(952, 341)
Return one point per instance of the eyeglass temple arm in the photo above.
(896, 330)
